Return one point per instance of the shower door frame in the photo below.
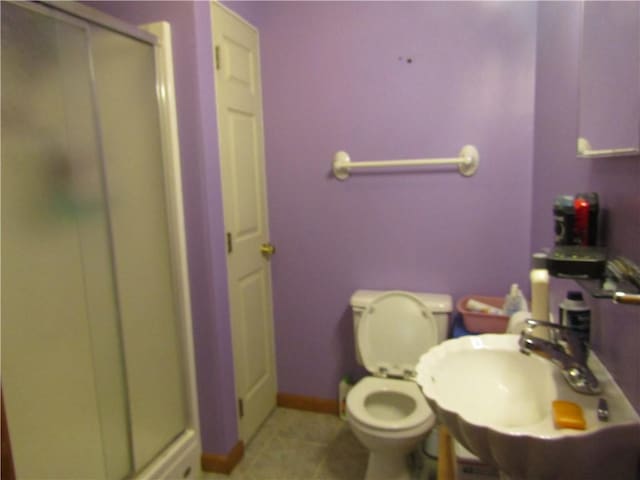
(182, 457)
(186, 449)
(99, 18)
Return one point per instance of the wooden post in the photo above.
(446, 455)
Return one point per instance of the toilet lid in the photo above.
(394, 331)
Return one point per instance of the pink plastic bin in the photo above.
(478, 322)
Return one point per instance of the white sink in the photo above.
(496, 401)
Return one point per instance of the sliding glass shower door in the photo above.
(91, 366)
(125, 78)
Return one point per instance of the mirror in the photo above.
(609, 86)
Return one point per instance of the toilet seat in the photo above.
(361, 405)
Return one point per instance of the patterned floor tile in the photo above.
(297, 445)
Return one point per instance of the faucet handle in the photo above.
(553, 328)
(545, 323)
(578, 347)
(569, 330)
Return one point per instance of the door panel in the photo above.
(256, 352)
(241, 61)
(240, 133)
(244, 172)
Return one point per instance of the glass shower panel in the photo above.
(124, 72)
(62, 366)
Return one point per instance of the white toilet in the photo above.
(387, 411)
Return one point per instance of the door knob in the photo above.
(267, 249)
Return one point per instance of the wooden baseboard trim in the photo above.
(222, 463)
(310, 404)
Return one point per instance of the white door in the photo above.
(240, 132)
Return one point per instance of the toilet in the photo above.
(387, 411)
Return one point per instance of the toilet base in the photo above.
(385, 465)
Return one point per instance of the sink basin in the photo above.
(497, 403)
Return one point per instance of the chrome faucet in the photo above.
(572, 358)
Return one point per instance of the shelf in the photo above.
(624, 293)
(594, 288)
(587, 266)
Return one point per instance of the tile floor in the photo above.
(297, 445)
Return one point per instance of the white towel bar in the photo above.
(585, 150)
(467, 162)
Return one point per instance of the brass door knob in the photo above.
(267, 249)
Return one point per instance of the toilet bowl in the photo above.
(387, 411)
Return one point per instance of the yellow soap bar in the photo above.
(568, 415)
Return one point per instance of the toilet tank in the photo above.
(439, 304)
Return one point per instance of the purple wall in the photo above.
(336, 76)
(615, 328)
(192, 55)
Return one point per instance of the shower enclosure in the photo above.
(96, 369)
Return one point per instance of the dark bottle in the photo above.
(575, 313)
(564, 219)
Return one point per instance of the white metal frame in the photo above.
(90, 14)
(186, 450)
(467, 162)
